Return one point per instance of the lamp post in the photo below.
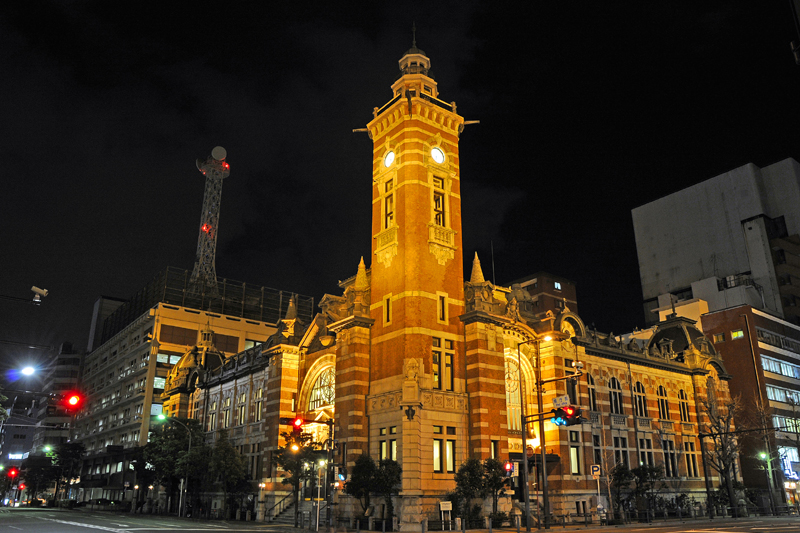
(542, 442)
(260, 515)
(185, 480)
(524, 428)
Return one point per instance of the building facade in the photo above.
(123, 378)
(413, 362)
(730, 240)
(763, 352)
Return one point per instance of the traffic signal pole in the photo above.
(540, 416)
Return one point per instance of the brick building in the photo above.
(412, 362)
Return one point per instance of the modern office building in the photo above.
(731, 240)
(763, 354)
(61, 375)
(141, 340)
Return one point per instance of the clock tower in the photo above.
(417, 402)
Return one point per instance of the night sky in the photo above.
(587, 110)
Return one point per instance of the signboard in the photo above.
(595, 469)
(561, 401)
(445, 506)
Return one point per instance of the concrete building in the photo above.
(731, 240)
(412, 362)
(141, 341)
(53, 421)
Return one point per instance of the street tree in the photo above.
(67, 458)
(621, 478)
(361, 479)
(646, 480)
(724, 451)
(495, 480)
(228, 467)
(38, 472)
(386, 483)
(469, 484)
(166, 449)
(298, 451)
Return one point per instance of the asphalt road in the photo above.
(62, 521)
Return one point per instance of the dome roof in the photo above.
(680, 333)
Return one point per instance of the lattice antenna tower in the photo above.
(215, 169)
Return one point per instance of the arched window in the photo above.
(684, 405)
(663, 404)
(324, 392)
(513, 406)
(592, 393)
(639, 400)
(615, 396)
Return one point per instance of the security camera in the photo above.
(38, 293)
(577, 364)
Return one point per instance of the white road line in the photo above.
(79, 524)
(19, 528)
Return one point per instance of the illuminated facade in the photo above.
(412, 362)
(142, 340)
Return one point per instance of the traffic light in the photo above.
(508, 466)
(297, 424)
(559, 417)
(22, 486)
(341, 473)
(71, 400)
(13, 472)
(573, 415)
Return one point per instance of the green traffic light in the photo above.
(161, 416)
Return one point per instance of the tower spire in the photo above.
(413, 34)
(477, 271)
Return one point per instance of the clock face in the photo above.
(388, 159)
(437, 155)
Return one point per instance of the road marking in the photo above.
(79, 524)
(15, 527)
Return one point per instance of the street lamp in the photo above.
(185, 480)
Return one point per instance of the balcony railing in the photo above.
(595, 416)
(643, 423)
(441, 235)
(689, 427)
(619, 421)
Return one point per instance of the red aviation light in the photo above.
(206, 227)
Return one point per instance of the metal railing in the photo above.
(280, 506)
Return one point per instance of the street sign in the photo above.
(561, 401)
(445, 506)
(595, 469)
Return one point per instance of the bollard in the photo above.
(463, 525)
(518, 520)
(489, 523)
(424, 525)
(358, 525)
(383, 525)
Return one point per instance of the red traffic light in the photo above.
(508, 466)
(71, 400)
(298, 422)
(13, 472)
(22, 486)
(569, 410)
(573, 415)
